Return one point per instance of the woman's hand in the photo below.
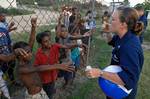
(94, 73)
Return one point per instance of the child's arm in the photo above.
(63, 66)
(42, 68)
(70, 46)
(12, 29)
(58, 30)
(12, 56)
(87, 34)
(7, 58)
(33, 31)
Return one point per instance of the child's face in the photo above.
(27, 57)
(2, 18)
(75, 33)
(46, 41)
(64, 33)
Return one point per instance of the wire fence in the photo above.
(47, 12)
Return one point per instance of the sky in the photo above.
(132, 2)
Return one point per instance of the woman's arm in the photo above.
(95, 73)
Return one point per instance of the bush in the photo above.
(145, 5)
(15, 11)
(31, 2)
(28, 2)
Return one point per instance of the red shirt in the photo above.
(42, 59)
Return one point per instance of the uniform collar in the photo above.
(126, 37)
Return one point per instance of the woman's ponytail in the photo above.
(138, 27)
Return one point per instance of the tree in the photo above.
(126, 2)
(145, 5)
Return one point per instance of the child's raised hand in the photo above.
(11, 26)
(34, 22)
(106, 27)
(12, 23)
(14, 28)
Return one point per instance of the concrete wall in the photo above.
(8, 3)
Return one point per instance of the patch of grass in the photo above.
(147, 33)
(144, 89)
(88, 90)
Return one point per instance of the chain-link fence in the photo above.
(46, 11)
(20, 12)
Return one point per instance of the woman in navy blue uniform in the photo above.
(127, 51)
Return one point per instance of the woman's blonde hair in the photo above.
(130, 17)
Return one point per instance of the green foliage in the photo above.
(40, 2)
(145, 5)
(30, 2)
(15, 11)
(126, 2)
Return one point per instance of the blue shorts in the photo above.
(66, 75)
(76, 61)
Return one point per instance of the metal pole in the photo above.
(113, 6)
(89, 40)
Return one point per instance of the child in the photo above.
(5, 45)
(73, 17)
(3, 24)
(66, 14)
(28, 74)
(48, 54)
(90, 21)
(3, 85)
(105, 22)
(75, 53)
(63, 37)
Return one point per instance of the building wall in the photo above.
(8, 3)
